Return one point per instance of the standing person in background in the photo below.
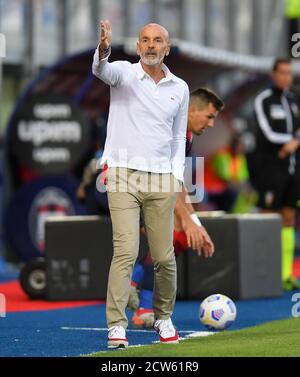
(147, 121)
(278, 140)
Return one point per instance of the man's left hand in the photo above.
(288, 148)
(198, 239)
(208, 247)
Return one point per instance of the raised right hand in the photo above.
(105, 35)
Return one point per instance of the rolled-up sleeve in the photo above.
(110, 73)
(179, 137)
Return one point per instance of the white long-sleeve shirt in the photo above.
(147, 122)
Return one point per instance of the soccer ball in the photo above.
(217, 312)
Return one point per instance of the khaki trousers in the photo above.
(128, 192)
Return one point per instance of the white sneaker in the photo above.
(166, 330)
(117, 337)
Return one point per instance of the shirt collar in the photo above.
(280, 91)
(141, 73)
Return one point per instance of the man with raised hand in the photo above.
(146, 136)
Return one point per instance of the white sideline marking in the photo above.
(198, 334)
(190, 334)
(193, 334)
(118, 350)
(100, 329)
(132, 330)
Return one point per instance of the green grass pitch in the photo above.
(278, 338)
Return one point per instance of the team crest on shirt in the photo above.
(277, 112)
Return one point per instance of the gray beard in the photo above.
(152, 62)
